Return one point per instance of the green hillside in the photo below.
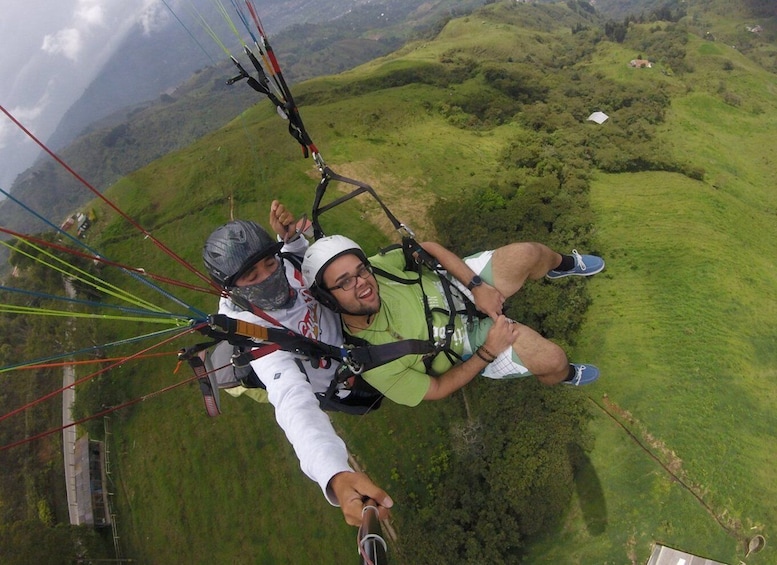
(118, 144)
(475, 138)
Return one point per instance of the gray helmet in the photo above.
(234, 248)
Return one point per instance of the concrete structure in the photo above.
(69, 441)
(663, 555)
(91, 483)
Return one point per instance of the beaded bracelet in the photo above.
(486, 359)
(487, 352)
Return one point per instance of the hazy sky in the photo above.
(49, 52)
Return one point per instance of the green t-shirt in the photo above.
(402, 316)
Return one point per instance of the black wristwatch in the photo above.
(476, 281)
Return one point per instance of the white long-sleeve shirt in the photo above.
(321, 452)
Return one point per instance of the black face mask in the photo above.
(273, 293)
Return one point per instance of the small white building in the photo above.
(640, 64)
(663, 555)
(598, 117)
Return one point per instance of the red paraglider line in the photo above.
(99, 195)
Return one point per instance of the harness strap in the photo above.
(415, 255)
(434, 346)
(261, 85)
(450, 326)
(367, 356)
(328, 175)
(240, 332)
(210, 395)
(244, 358)
(287, 108)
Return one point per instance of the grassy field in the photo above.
(683, 326)
(679, 326)
(197, 490)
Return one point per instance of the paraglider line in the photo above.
(110, 204)
(97, 415)
(98, 258)
(96, 373)
(92, 349)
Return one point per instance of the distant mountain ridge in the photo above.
(130, 116)
(149, 64)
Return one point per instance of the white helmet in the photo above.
(318, 256)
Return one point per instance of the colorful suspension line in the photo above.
(98, 414)
(93, 375)
(94, 361)
(276, 83)
(194, 12)
(134, 275)
(96, 258)
(147, 314)
(87, 350)
(36, 310)
(115, 208)
(79, 275)
(284, 101)
(270, 81)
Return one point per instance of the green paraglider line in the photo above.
(86, 350)
(102, 260)
(84, 277)
(96, 373)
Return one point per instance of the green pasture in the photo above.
(200, 490)
(679, 325)
(683, 327)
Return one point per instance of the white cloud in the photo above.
(13, 137)
(66, 42)
(90, 13)
(28, 113)
(88, 16)
(51, 50)
(154, 16)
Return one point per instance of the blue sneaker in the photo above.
(585, 266)
(584, 374)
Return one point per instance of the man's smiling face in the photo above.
(352, 285)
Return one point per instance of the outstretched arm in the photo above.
(487, 298)
(321, 453)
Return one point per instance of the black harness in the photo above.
(416, 259)
(355, 356)
(252, 341)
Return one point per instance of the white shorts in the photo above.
(507, 364)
